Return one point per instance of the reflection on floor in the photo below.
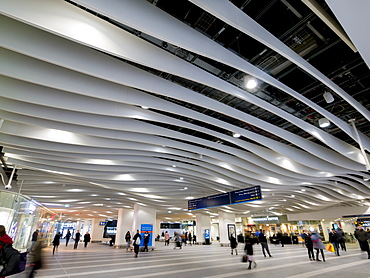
(197, 261)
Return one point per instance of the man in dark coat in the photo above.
(263, 240)
(56, 242)
(68, 236)
(77, 239)
(233, 245)
(34, 239)
(362, 236)
(87, 238)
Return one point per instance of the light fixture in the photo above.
(324, 122)
(328, 97)
(236, 135)
(250, 82)
(145, 107)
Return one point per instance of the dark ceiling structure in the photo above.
(110, 104)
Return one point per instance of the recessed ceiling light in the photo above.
(250, 82)
(121, 193)
(236, 135)
(75, 190)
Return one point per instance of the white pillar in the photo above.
(78, 227)
(124, 224)
(226, 219)
(87, 226)
(203, 223)
(97, 231)
(144, 215)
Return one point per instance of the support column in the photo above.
(203, 223)
(124, 224)
(97, 231)
(144, 215)
(87, 226)
(78, 227)
(226, 219)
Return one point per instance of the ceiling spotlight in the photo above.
(250, 82)
(236, 135)
(324, 122)
(328, 97)
(144, 107)
(366, 179)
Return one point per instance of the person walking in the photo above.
(333, 238)
(87, 238)
(194, 239)
(56, 242)
(128, 240)
(263, 240)
(233, 245)
(189, 238)
(362, 236)
(341, 240)
(136, 242)
(34, 239)
(35, 261)
(280, 239)
(146, 241)
(68, 236)
(318, 245)
(77, 239)
(309, 245)
(248, 248)
(166, 239)
(177, 241)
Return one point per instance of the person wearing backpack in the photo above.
(9, 257)
(136, 241)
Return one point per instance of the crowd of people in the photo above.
(312, 241)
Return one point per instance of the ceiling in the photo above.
(107, 105)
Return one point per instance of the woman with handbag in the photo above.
(318, 245)
(248, 248)
(128, 240)
(136, 241)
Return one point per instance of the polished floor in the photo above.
(195, 261)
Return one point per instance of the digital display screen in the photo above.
(246, 195)
(218, 200)
(197, 204)
(229, 198)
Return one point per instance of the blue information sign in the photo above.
(197, 204)
(246, 195)
(207, 234)
(221, 199)
(146, 228)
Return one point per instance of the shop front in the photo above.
(21, 216)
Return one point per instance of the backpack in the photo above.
(12, 260)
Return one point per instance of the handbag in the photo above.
(244, 259)
(330, 247)
(137, 241)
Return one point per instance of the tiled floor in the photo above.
(195, 261)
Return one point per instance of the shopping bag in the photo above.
(330, 247)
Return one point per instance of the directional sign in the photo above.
(221, 199)
(197, 204)
(228, 198)
(246, 195)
